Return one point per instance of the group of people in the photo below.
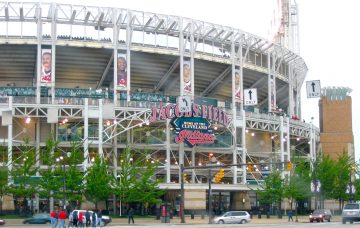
(77, 218)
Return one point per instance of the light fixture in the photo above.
(108, 123)
(200, 164)
(27, 120)
(252, 134)
(297, 139)
(247, 131)
(92, 159)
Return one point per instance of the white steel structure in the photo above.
(85, 42)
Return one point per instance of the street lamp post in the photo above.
(61, 160)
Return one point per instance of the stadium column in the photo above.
(168, 158)
(269, 80)
(37, 156)
(128, 47)
(10, 143)
(38, 57)
(235, 147)
(291, 93)
(51, 200)
(282, 146)
(288, 152)
(101, 128)
(86, 133)
(115, 50)
(53, 52)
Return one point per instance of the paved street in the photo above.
(198, 222)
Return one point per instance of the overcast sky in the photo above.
(329, 36)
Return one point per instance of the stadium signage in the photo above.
(193, 130)
(209, 112)
(192, 127)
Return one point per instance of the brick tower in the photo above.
(335, 112)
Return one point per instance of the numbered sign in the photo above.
(250, 96)
(184, 103)
(313, 89)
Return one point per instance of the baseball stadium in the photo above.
(186, 92)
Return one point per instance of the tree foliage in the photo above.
(99, 183)
(273, 189)
(135, 181)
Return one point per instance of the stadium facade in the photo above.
(185, 91)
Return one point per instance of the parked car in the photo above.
(351, 213)
(2, 222)
(233, 217)
(320, 215)
(38, 219)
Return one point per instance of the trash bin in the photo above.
(165, 212)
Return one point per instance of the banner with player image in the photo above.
(122, 77)
(187, 88)
(46, 61)
(238, 93)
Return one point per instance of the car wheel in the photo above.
(311, 221)
(221, 222)
(351, 222)
(243, 221)
(343, 221)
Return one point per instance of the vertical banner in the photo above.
(237, 86)
(273, 92)
(187, 77)
(45, 78)
(122, 77)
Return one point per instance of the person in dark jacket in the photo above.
(131, 215)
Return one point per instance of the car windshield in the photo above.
(351, 206)
(317, 212)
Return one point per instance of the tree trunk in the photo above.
(96, 204)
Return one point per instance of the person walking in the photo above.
(87, 217)
(80, 219)
(75, 218)
(62, 218)
(53, 216)
(290, 214)
(94, 219)
(98, 219)
(131, 215)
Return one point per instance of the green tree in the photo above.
(343, 170)
(273, 189)
(73, 176)
(135, 181)
(24, 184)
(324, 170)
(3, 185)
(51, 180)
(99, 183)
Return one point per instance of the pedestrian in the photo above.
(62, 218)
(80, 219)
(131, 215)
(75, 218)
(290, 214)
(99, 216)
(53, 216)
(87, 217)
(94, 219)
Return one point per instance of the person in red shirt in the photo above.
(80, 220)
(53, 216)
(62, 218)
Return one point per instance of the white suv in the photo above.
(351, 213)
(233, 217)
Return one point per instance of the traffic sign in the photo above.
(184, 103)
(313, 89)
(250, 96)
